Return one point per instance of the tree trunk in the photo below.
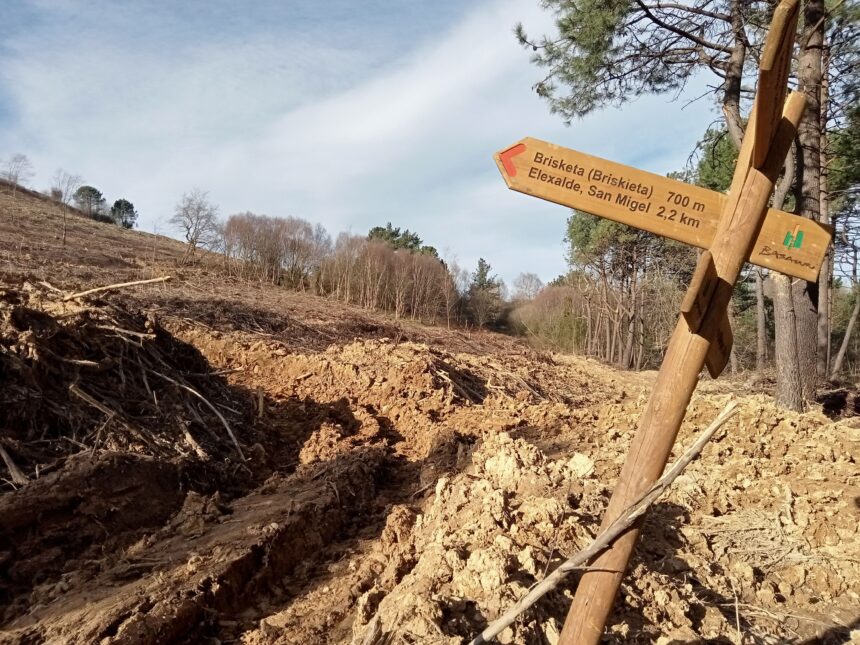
(761, 322)
(795, 304)
(808, 186)
(731, 102)
(734, 76)
(587, 327)
(627, 358)
(824, 314)
(789, 391)
(826, 276)
(805, 301)
(607, 357)
(843, 348)
(640, 352)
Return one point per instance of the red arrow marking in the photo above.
(506, 156)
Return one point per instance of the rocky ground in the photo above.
(386, 478)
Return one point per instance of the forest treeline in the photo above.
(618, 302)
(389, 269)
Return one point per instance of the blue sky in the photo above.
(350, 114)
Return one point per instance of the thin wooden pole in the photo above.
(679, 373)
(118, 285)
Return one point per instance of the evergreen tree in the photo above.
(610, 51)
(123, 213)
(401, 239)
(91, 201)
(844, 174)
(485, 295)
(395, 237)
(716, 166)
(482, 279)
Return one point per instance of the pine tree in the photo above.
(91, 201)
(484, 296)
(123, 213)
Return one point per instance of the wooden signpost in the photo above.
(656, 204)
(733, 228)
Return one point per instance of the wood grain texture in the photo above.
(699, 293)
(775, 63)
(720, 348)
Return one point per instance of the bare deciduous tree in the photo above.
(17, 170)
(65, 185)
(197, 218)
(366, 271)
(451, 291)
(527, 286)
(274, 249)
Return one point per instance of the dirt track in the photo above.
(422, 476)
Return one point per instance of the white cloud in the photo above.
(320, 137)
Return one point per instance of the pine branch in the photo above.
(682, 32)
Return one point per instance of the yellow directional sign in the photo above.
(786, 243)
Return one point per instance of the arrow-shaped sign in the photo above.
(657, 204)
(507, 155)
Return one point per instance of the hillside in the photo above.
(207, 458)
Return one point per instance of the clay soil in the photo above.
(389, 482)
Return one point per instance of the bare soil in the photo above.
(396, 477)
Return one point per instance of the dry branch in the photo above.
(100, 365)
(18, 476)
(50, 287)
(196, 447)
(89, 387)
(210, 406)
(128, 332)
(107, 411)
(118, 285)
(607, 537)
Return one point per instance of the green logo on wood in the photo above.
(794, 241)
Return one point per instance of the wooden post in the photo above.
(761, 157)
(733, 228)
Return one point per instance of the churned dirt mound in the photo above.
(721, 556)
(391, 491)
(385, 482)
(412, 493)
(107, 421)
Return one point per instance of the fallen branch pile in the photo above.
(81, 376)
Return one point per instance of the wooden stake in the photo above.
(700, 292)
(649, 451)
